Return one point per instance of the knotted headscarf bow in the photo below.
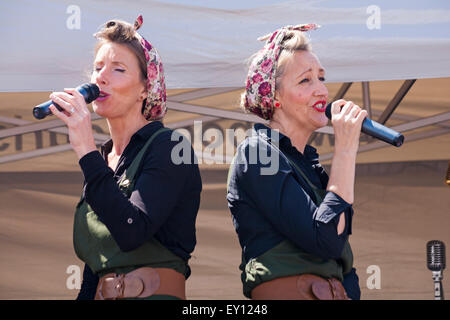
(155, 107)
(260, 87)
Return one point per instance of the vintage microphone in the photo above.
(377, 130)
(436, 263)
(89, 91)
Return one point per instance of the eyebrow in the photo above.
(114, 62)
(310, 69)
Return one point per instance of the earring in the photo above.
(277, 104)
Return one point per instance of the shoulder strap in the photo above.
(319, 194)
(317, 191)
(127, 178)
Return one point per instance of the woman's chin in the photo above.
(99, 110)
(319, 121)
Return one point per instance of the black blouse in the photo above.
(163, 205)
(270, 202)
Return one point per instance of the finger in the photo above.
(336, 106)
(81, 103)
(346, 108)
(354, 111)
(62, 102)
(59, 114)
(361, 116)
(75, 93)
(65, 96)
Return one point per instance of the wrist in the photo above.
(81, 152)
(347, 154)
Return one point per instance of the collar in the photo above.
(283, 141)
(142, 134)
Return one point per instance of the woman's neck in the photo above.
(299, 136)
(121, 130)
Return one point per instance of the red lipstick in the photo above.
(320, 105)
(103, 96)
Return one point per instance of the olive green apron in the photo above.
(95, 246)
(287, 259)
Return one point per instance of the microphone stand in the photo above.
(438, 290)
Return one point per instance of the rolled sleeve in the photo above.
(327, 217)
(331, 207)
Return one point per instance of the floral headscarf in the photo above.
(260, 87)
(155, 107)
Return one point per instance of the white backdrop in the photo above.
(46, 45)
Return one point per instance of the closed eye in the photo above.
(304, 81)
(307, 80)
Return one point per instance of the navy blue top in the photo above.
(163, 205)
(270, 202)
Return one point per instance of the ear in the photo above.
(143, 94)
(277, 104)
(276, 97)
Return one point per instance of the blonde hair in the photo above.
(121, 32)
(293, 41)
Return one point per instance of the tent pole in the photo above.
(366, 98)
(342, 90)
(393, 104)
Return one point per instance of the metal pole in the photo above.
(393, 104)
(366, 98)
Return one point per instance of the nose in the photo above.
(101, 76)
(321, 90)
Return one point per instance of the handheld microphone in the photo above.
(89, 91)
(377, 130)
(436, 263)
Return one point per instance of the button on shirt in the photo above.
(164, 203)
(269, 205)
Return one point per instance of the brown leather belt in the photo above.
(141, 283)
(300, 287)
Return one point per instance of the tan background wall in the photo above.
(401, 203)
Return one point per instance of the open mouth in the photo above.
(320, 106)
(102, 96)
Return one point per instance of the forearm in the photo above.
(342, 175)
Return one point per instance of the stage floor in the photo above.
(396, 212)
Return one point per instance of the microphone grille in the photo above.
(436, 255)
(90, 91)
(94, 91)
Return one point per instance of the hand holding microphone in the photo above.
(346, 118)
(70, 106)
(89, 91)
(372, 128)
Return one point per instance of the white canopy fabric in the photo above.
(47, 45)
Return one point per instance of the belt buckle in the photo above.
(333, 288)
(119, 287)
